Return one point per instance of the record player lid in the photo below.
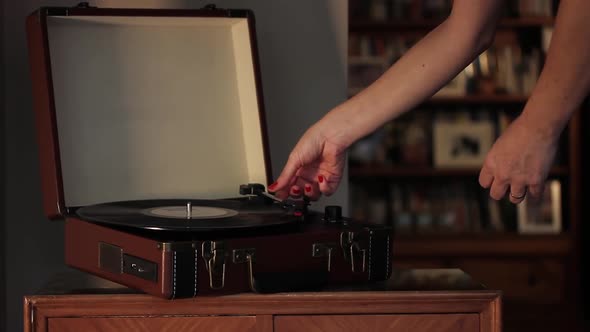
(146, 104)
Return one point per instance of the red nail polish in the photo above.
(272, 185)
(298, 213)
(321, 178)
(307, 188)
(296, 191)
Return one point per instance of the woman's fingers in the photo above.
(287, 175)
(296, 191)
(486, 177)
(535, 191)
(517, 193)
(312, 191)
(328, 184)
(498, 189)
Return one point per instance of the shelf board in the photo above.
(474, 244)
(472, 99)
(408, 171)
(425, 24)
(479, 99)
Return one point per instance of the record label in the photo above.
(197, 212)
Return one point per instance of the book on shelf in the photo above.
(420, 208)
(506, 68)
(392, 10)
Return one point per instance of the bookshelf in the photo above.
(400, 173)
(398, 181)
(425, 24)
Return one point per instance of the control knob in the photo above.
(333, 214)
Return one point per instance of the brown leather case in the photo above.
(308, 252)
(304, 257)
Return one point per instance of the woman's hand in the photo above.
(519, 161)
(315, 165)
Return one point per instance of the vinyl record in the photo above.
(174, 215)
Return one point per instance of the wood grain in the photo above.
(264, 323)
(50, 309)
(398, 323)
(160, 324)
(257, 304)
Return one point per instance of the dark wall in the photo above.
(2, 178)
(585, 213)
(302, 48)
(33, 245)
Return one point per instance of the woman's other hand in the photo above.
(519, 161)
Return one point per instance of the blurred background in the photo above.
(417, 173)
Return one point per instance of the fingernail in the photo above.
(321, 178)
(272, 185)
(296, 191)
(298, 213)
(307, 188)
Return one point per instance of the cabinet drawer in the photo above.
(393, 323)
(536, 280)
(210, 324)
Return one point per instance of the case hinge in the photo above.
(353, 253)
(213, 253)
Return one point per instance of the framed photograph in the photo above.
(541, 216)
(461, 144)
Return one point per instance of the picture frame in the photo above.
(542, 216)
(461, 144)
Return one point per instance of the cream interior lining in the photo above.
(154, 107)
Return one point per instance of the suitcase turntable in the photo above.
(119, 94)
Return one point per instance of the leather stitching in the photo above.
(174, 275)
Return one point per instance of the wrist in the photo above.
(338, 126)
(545, 119)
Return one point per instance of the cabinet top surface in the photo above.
(402, 281)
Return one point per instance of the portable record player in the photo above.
(153, 148)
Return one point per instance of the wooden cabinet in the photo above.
(424, 322)
(188, 324)
(412, 300)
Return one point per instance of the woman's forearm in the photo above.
(421, 72)
(565, 79)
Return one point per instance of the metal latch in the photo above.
(352, 250)
(213, 253)
(323, 250)
(247, 255)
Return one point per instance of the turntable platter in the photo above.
(188, 215)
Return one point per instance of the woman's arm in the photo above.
(521, 158)
(565, 79)
(316, 163)
(421, 72)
